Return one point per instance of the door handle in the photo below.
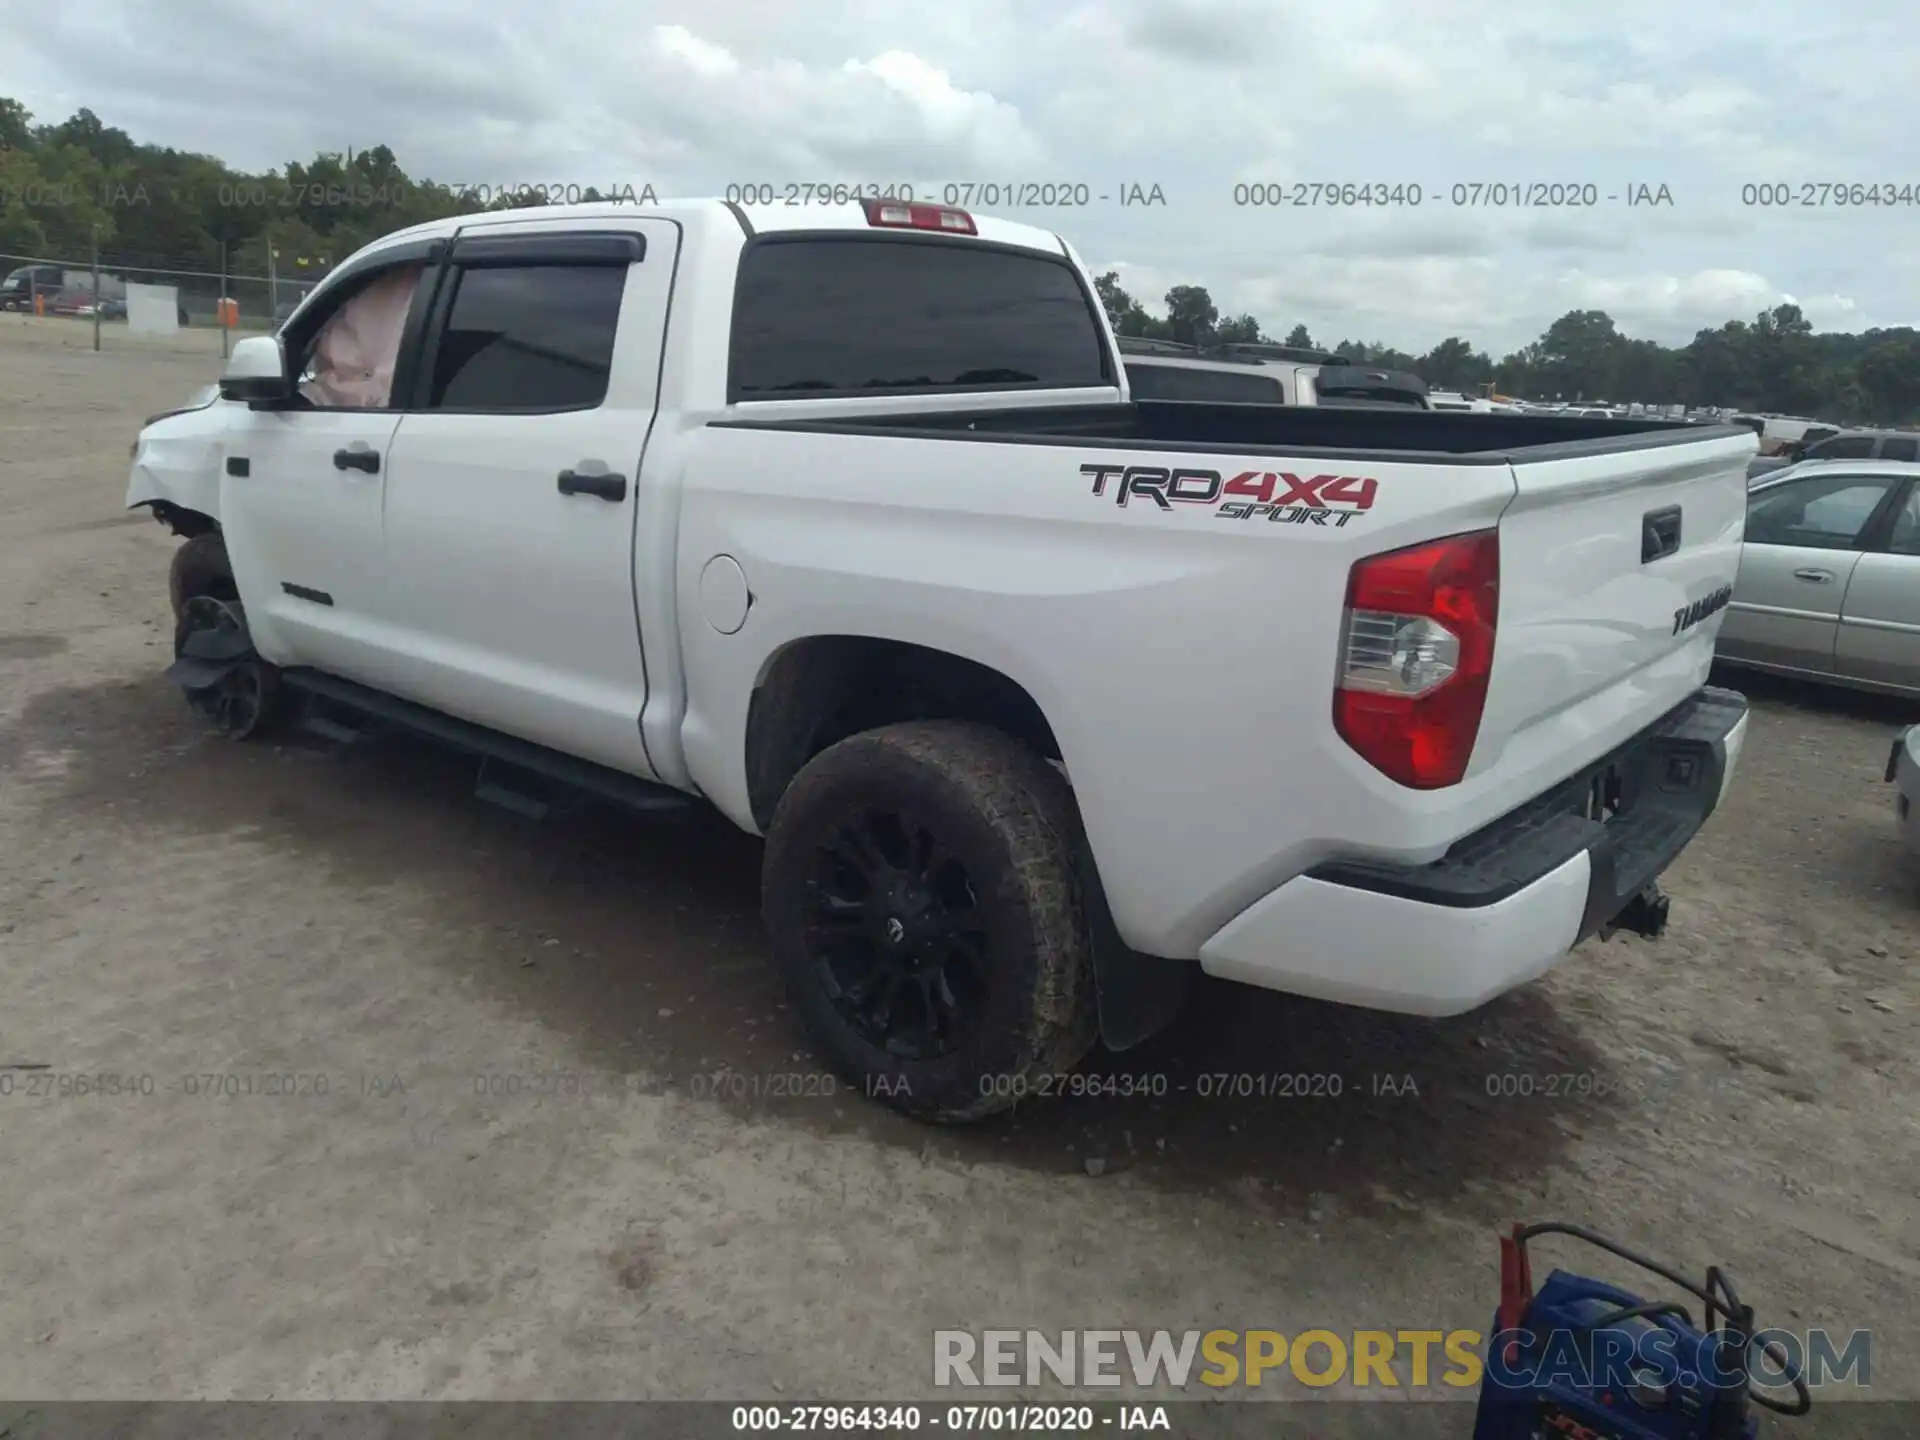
(358, 456)
(607, 487)
(1659, 534)
(1818, 577)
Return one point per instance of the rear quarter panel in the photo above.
(1183, 656)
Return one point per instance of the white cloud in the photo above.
(1193, 95)
(705, 59)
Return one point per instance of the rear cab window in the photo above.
(1173, 382)
(817, 316)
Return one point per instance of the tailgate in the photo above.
(1615, 568)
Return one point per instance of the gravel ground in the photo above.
(613, 1224)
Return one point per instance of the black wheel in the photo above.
(920, 894)
(247, 699)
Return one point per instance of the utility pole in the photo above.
(94, 236)
(273, 282)
(226, 330)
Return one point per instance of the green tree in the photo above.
(1115, 301)
(21, 183)
(1577, 355)
(1240, 330)
(1888, 376)
(71, 212)
(16, 125)
(1454, 364)
(1784, 362)
(1191, 315)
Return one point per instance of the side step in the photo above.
(490, 745)
(326, 729)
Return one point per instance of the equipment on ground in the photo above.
(1584, 1360)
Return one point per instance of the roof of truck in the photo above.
(849, 215)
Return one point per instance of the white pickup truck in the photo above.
(841, 519)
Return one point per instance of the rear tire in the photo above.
(920, 894)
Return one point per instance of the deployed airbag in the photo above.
(354, 354)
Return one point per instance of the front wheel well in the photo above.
(818, 691)
(200, 567)
(187, 524)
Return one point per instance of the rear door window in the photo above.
(854, 315)
(1818, 512)
(1898, 447)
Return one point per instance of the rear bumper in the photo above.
(1504, 904)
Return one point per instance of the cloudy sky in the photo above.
(1194, 96)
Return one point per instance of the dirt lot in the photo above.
(175, 906)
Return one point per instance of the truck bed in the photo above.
(1396, 433)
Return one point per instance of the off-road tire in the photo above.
(1009, 817)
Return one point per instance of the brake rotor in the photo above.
(225, 682)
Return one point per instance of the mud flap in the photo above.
(1139, 995)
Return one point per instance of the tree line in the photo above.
(1774, 362)
(67, 187)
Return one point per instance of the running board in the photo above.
(325, 729)
(490, 745)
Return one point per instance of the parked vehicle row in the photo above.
(54, 290)
(1827, 443)
(1250, 374)
(849, 521)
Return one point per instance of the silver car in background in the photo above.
(1829, 584)
(1826, 443)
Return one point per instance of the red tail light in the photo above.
(1416, 656)
(905, 215)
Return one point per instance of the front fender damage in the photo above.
(185, 523)
(176, 469)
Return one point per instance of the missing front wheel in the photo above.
(226, 683)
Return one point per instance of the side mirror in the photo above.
(257, 371)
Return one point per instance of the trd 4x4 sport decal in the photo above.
(1279, 497)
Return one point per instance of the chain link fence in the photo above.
(72, 301)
